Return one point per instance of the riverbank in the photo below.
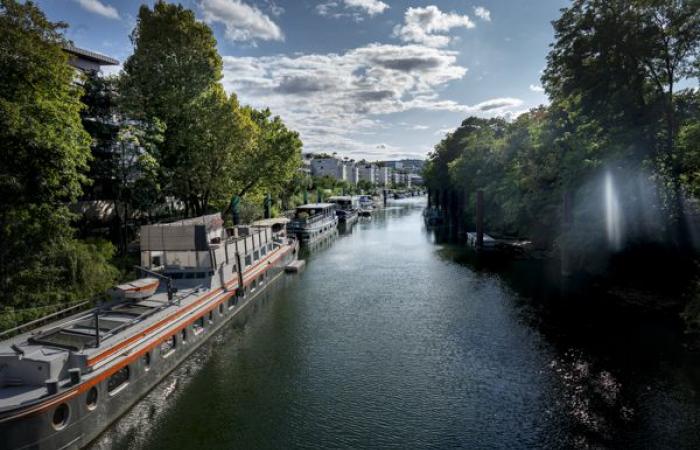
(392, 337)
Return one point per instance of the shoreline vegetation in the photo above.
(605, 179)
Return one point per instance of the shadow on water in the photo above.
(397, 337)
(626, 378)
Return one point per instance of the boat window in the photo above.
(177, 275)
(201, 274)
(168, 346)
(234, 269)
(231, 302)
(60, 416)
(184, 335)
(221, 309)
(253, 285)
(256, 255)
(211, 316)
(189, 275)
(248, 260)
(118, 379)
(91, 399)
(198, 325)
(155, 261)
(211, 273)
(260, 279)
(263, 250)
(146, 361)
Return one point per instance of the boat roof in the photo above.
(270, 222)
(336, 198)
(316, 206)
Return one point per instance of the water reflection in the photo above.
(397, 337)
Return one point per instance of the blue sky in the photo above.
(364, 78)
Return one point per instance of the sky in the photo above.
(364, 78)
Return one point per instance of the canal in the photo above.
(394, 338)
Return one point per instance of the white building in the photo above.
(383, 176)
(329, 167)
(367, 172)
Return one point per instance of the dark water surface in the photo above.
(389, 340)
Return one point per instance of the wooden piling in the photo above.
(479, 219)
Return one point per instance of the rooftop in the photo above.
(91, 56)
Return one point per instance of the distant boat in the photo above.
(313, 221)
(346, 208)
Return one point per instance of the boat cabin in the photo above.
(345, 202)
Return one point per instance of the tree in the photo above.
(613, 68)
(272, 160)
(44, 154)
(171, 77)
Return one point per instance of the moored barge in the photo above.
(346, 208)
(313, 221)
(62, 384)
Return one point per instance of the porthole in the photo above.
(147, 361)
(118, 379)
(60, 417)
(91, 399)
(168, 346)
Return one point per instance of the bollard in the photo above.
(479, 219)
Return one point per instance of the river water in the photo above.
(395, 338)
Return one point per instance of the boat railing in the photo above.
(36, 323)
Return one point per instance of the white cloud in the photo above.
(498, 105)
(338, 101)
(536, 88)
(243, 22)
(97, 7)
(482, 13)
(371, 7)
(335, 100)
(429, 25)
(332, 8)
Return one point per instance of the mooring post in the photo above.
(267, 206)
(567, 219)
(235, 213)
(479, 219)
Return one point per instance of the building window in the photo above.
(198, 325)
(60, 416)
(91, 399)
(118, 380)
(168, 346)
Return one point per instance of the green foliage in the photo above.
(213, 148)
(44, 153)
(272, 160)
